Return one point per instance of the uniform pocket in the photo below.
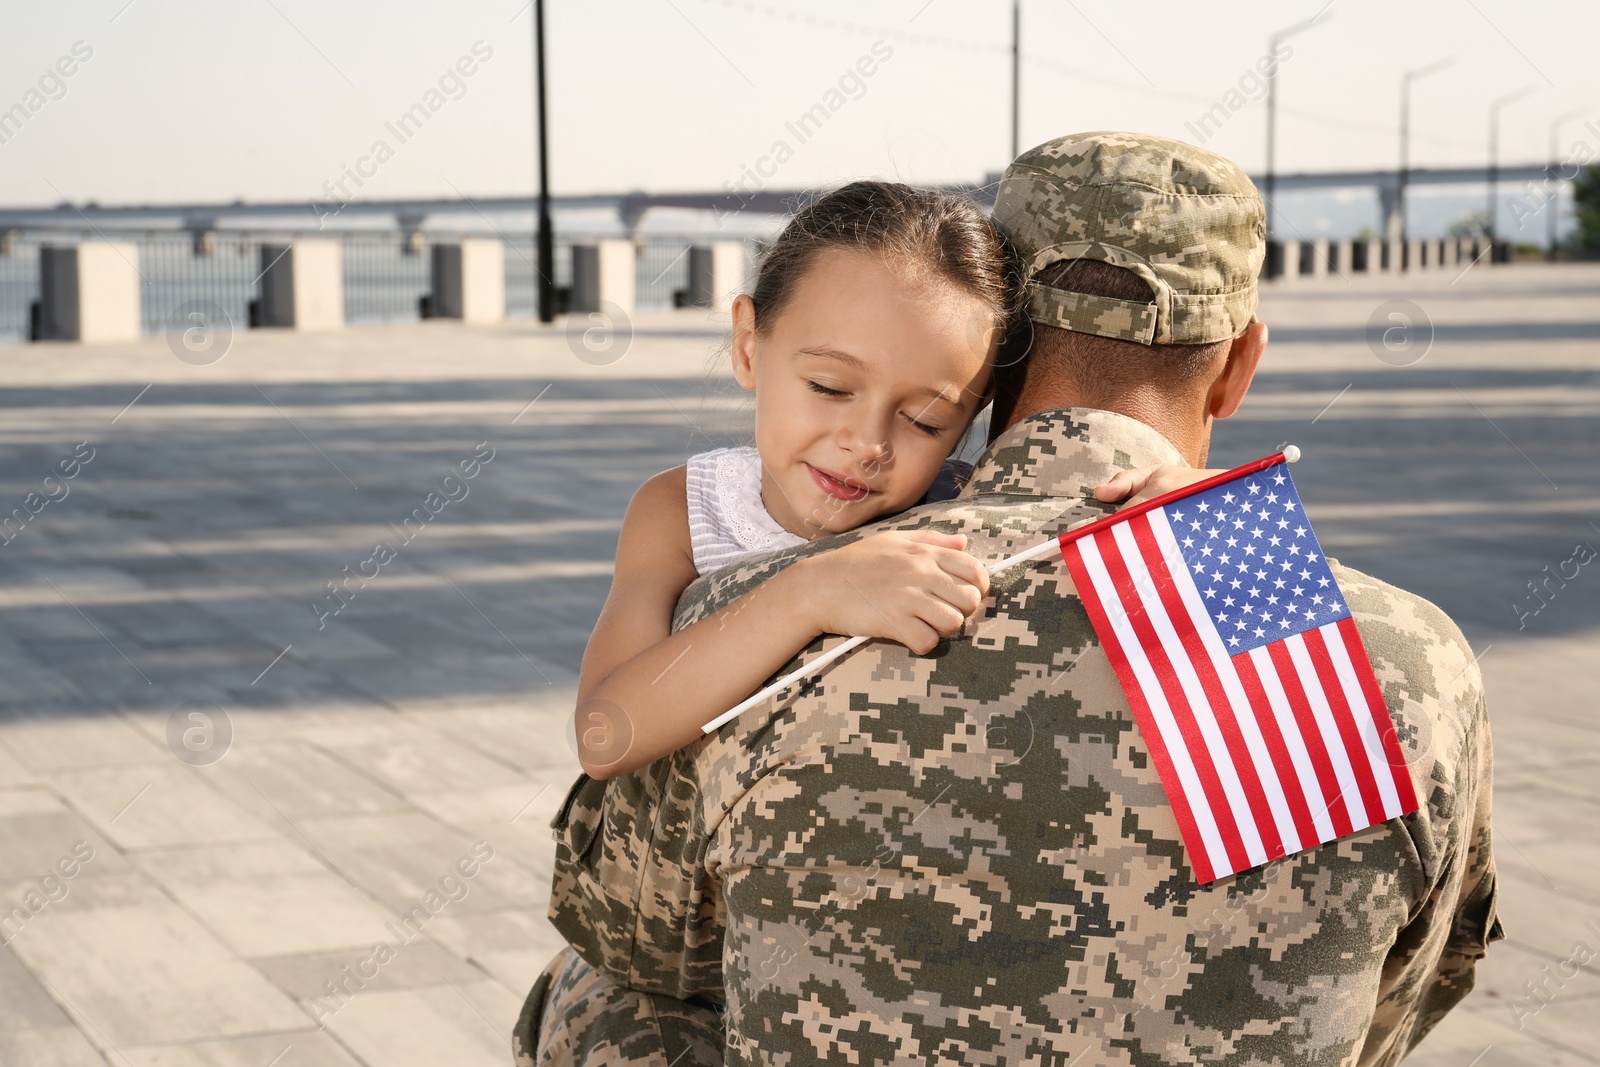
(578, 820)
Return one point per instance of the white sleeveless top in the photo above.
(727, 520)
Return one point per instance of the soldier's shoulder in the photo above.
(1399, 625)
(1430, 681)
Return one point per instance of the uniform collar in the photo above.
(1067, 452)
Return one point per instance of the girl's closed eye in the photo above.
(927, 428)
(818, 387)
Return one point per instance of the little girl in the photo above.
(869, 342)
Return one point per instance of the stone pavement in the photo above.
(219, 794)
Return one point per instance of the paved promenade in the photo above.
(269, 798)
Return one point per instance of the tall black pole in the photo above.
(1494, 160)
(1402, 254)
(1016, 77)
(1272, 137)
(547, 252)
(1552, 182)
(1494, 176)
(1398, 256)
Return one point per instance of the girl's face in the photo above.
(864, 385)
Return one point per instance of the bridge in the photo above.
(409, 215)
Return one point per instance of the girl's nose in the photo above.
(867, 440)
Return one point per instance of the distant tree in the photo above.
(1586, 200)
(1472, 224)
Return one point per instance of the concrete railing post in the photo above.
(469, 281)
(89, 293)
(716, 274)
(302, 285)
(1416, 259)
(603, 272)
(1319, 257)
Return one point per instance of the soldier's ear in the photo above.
(1238, 369)
(743, 344)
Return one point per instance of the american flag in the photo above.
(1243, 668)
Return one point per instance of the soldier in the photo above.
(968, 857)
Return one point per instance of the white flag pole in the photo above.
(1289, 455)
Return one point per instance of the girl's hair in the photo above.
(946, 236)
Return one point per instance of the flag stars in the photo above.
(1254, 561)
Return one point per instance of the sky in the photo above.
(275, 100)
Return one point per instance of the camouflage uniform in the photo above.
(968, 857)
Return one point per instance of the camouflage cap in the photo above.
(1187, 221)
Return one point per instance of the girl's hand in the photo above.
(1144, 483)
(914, 587)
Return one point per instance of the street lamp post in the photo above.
(1405, 147)
(1494, 161)
(546, 256)
(1555, 194)
(1016, 77)
(1272, 109)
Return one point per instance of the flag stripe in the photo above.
(1311, 732)
(1200, 838)
(1366, 722)
(1288, 750)
(1226, 701)
(1379, 709)
(1349, 734)
(1305, 674)
(1239, 715)
(1183, 695)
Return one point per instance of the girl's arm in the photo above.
(644, 691)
